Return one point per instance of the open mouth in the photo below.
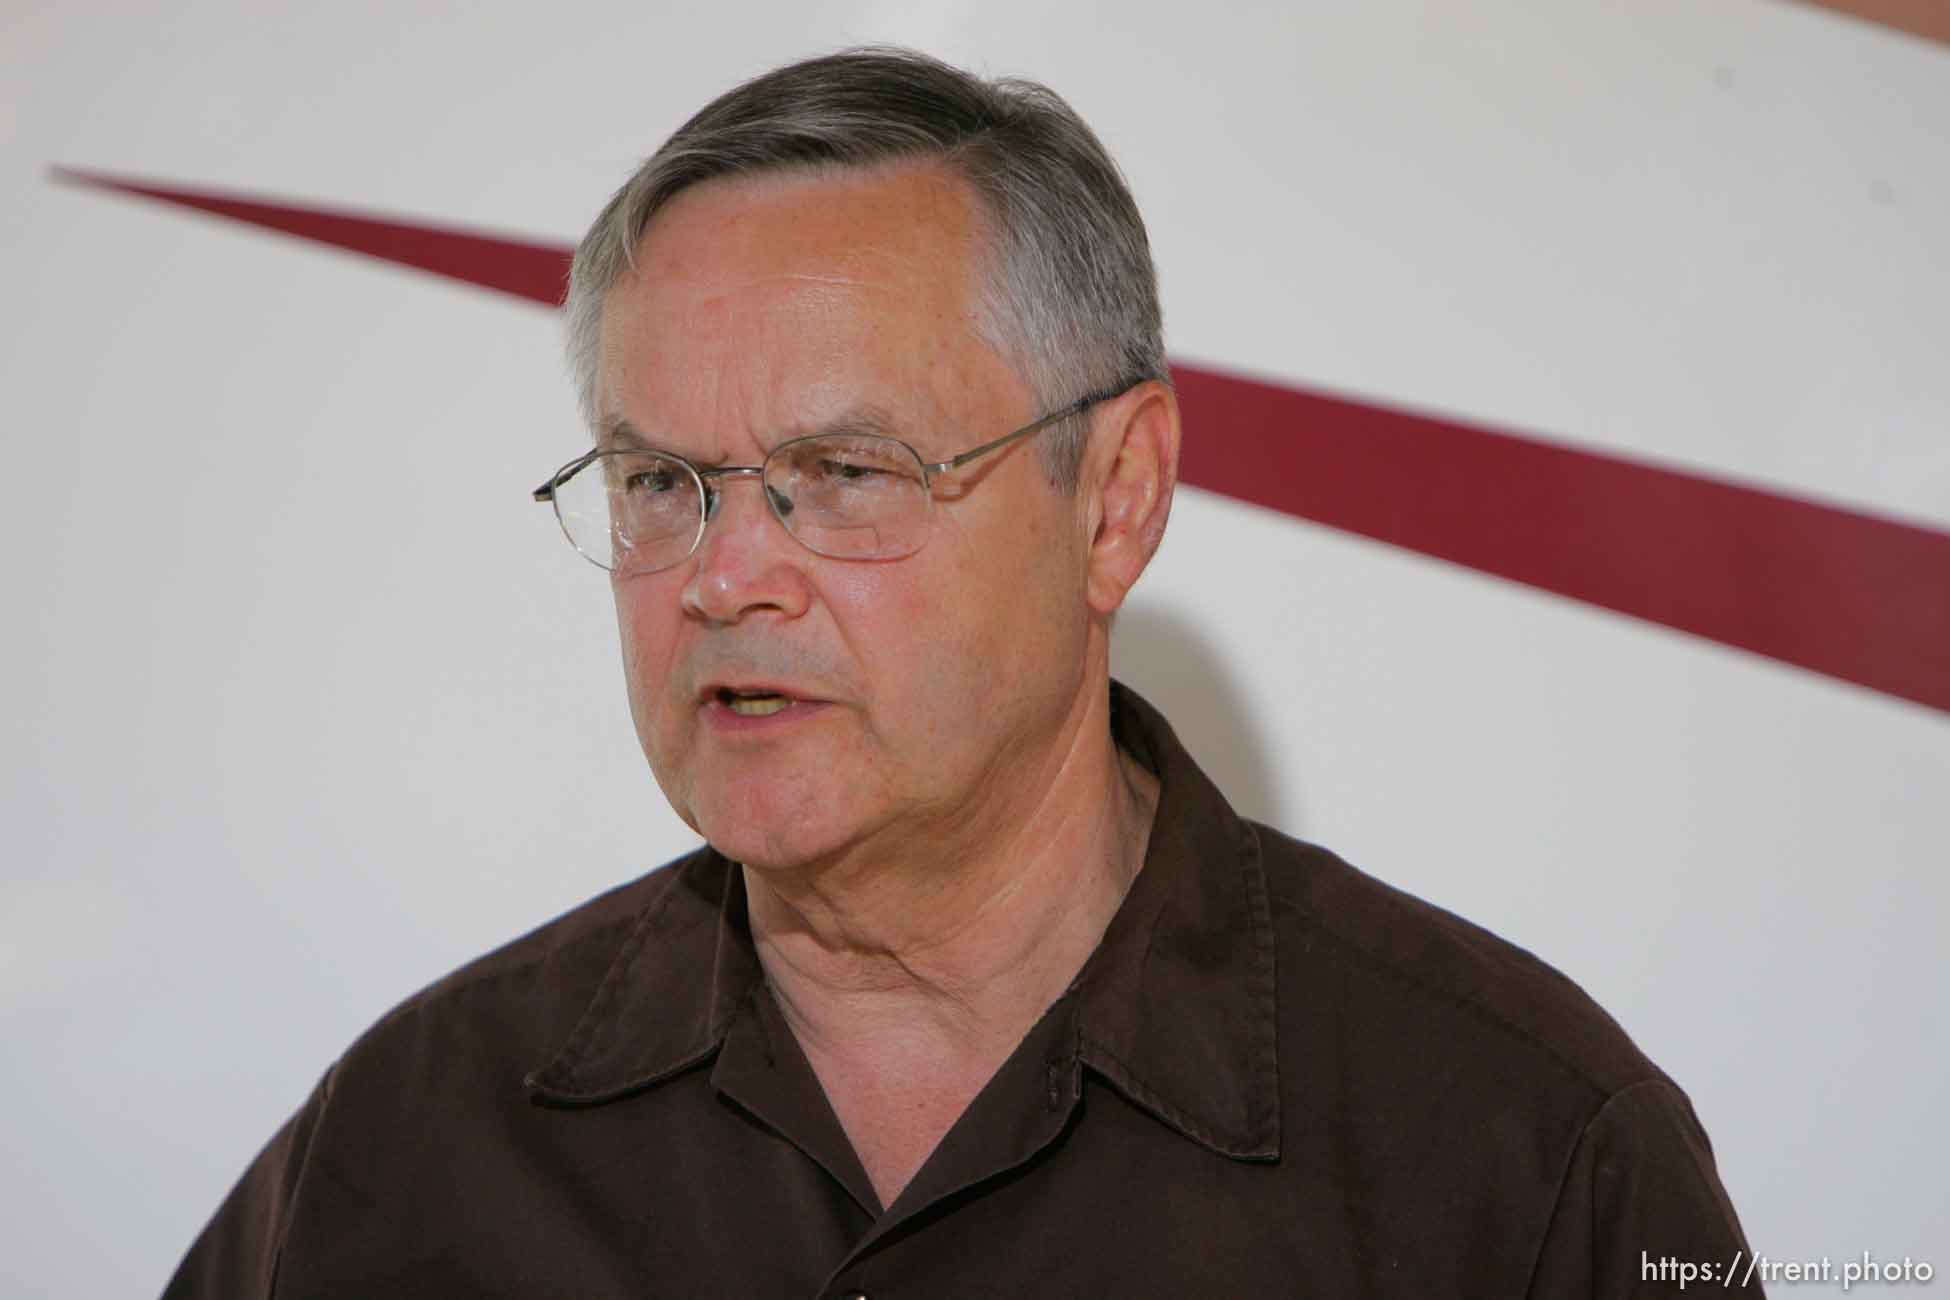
(752, 704)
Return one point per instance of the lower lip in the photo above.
(723, 717)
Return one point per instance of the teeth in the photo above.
(757, 706)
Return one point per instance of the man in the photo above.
(978, 988)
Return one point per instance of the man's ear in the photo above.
(1130, 471)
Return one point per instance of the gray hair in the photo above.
(1069, 293)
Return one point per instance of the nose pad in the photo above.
(714, 497)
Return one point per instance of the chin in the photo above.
(763, 825)
(766, 848)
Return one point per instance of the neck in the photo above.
(946, 963)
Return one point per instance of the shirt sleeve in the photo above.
(236, 1255)
(1641, 1211)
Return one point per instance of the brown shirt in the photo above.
(1276, 1076)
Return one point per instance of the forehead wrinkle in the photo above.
(807, 277)
(765, 291)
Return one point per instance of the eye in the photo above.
(842, 472)
(652, 482)
(846, 469)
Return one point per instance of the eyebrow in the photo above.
(618, 434)
(865, 418)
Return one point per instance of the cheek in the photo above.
(1029, 579)
(646, 625)
(885, 617)
(911, 640)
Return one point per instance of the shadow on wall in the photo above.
(1165, 658)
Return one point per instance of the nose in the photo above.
(746, 562)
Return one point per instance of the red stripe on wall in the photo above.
(1846, 594)
(537, 272)
(1929, 19)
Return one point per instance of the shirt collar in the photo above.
(1175, 1009)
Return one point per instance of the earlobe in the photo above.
(1133, 484)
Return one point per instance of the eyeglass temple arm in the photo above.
(1077, 407)
(546, 492)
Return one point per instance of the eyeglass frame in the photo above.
(710, 494)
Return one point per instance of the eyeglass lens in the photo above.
(846, 496)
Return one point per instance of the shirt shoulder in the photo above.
(512, 1007)
(1438, 1066)
(425, 1090)
(1432, 982)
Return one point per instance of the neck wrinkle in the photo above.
(1029, 910)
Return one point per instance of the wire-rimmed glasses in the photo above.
(851, 496)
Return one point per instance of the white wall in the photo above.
(309, 703)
